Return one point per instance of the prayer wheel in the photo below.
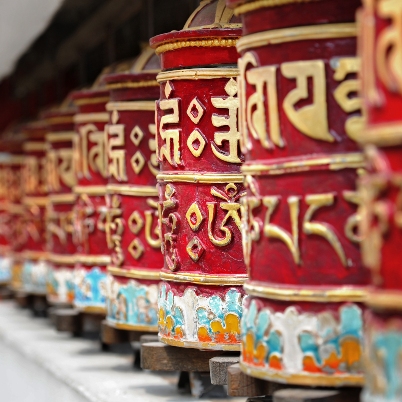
(92, 256)
(381, 194)
(200, 299)
(132, 229)
(59, 220)
(13, 233)
(34, 185)
(300, 117)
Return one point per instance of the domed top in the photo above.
(213, 27)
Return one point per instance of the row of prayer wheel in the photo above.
(236, 186)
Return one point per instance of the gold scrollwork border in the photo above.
(100, 117)
(205, 279)
(201, 178)
(62, 198)
(90, 190)
(313, 379)
(36, 201)
(353, 160)
(103, 260)
(255, 5)
(91, 101)
(139, 191)
(134, 105)
(385, 301)
(198, 73)
(62, 259)
(134, 273)
(32, 146)
(210, 42)
(141, 84)
(62, 136)
(284, 35)
(319, 295)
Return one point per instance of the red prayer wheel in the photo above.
(92, 256)
(300, 117)
(34, 184)
(132, 227)
(59, 221)
(380, 191)
(12, 227)
(200, 300)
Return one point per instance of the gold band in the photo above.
(139, 191)
(390, 300)
(32, 146)
(284, 35)
(255, 5)
(134, 273)
(310, 379)
(62, 198)
(210, 42)
(90, 190)
(197, 74)
(205, 279)
(230, 347)
(91, 118)
(334, 162)
(36, 201)
(59, 120)
(134, 105)
(91, 101)
(318, 295)
(62, 259)
(62, 136)
(91, 309)
(35, 255)
(103, 260)
(201, 178)
(133, 327)
(141, 84)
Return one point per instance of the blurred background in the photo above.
(49, 47)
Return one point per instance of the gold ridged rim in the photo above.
(210, 42)
(101, 117)
(132, 327)
(141, 84)
(322, 380)
(334, 162)
(205, 279)
(134, 273)
(125, 189)
(134, 105)
(319, 295)
(201, 178)
(200, 345)
(103, 260)
(198, 73)
(62, 136)
(90, 190)
(285, 35)
(255, 5)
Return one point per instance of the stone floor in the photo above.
(37, 364)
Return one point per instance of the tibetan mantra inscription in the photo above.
(381, 194)
(132, 228)
(200, 300)
(90, 211)
(60, 217)
(34, 182)
(300, 117)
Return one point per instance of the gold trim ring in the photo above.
(134, 273)
(139, 191)
(201, 178)
(385, 301)
(134, 105)
(103, 260)
(101, 117)
(210, 42)
(90, 190)
(322, 295)
(198, 74)
(205, 279)
(284, 35)
(255, 5)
